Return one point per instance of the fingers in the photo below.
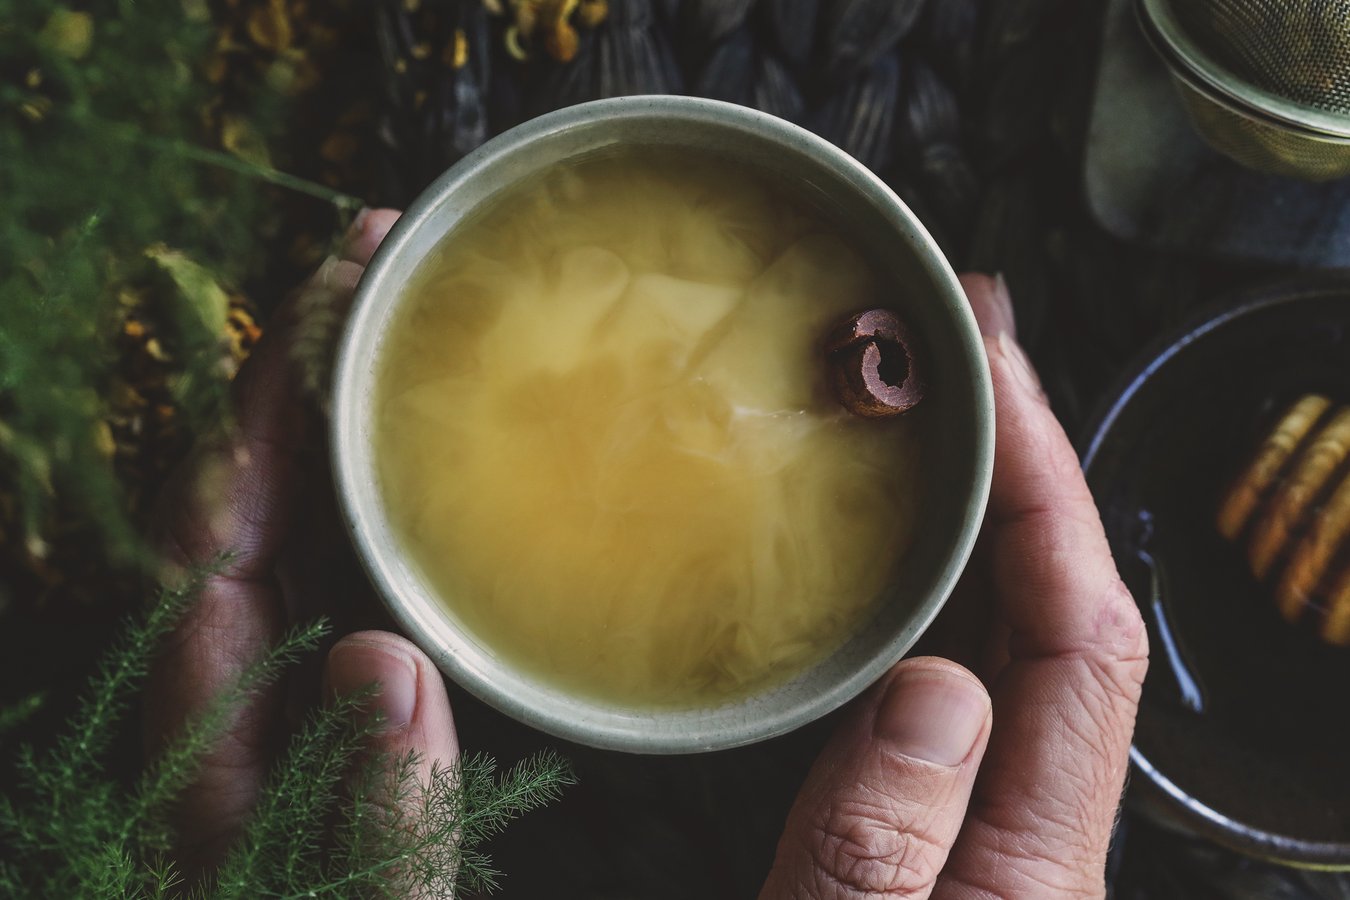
(366, 233)
(238, 494)
(884, 802)
(410, 698)
(1061, 591)
(1043, 808)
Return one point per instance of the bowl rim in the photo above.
(1256, 842)
(520, 697)
(1189, 62)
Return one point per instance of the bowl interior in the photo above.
(957, 444)
(1242, 721)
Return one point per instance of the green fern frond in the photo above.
(16, 714)
(333, 821)
(175, 767)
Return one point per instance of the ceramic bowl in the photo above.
(957, 448)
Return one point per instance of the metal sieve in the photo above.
(1266, 82)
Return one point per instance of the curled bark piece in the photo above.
(872, 365)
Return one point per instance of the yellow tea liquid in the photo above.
(605, 434)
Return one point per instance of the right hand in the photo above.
(934, 786)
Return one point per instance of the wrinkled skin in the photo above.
(933, 785)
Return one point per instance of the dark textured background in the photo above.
(975, 112)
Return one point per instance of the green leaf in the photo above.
(196, 284)
(69, 33)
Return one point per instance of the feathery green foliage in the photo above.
(110, 195)
(82, 203)
(333, 820)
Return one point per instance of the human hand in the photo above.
(241, 494)
(928, 788)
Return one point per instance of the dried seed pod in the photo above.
(860, 118)
(739, 72)
(858, 32)
(1293, 499)
(871, 365)
(1275, 451)
(1328, 535)
(792, 25)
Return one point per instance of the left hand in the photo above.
(241, 495)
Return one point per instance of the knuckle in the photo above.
(860, 850)
(1123, 616)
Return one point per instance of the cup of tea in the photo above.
(662, 425)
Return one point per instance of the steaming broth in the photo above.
(605, 437)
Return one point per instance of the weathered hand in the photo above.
(240, 495)
(930, 789)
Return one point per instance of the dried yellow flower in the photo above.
(592, 12)
(457, 51)
(240, 138)
(562, 42)
(269, 26)
(69, 33)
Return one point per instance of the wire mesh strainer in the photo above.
(1267, 82)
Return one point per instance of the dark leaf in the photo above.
(669, 10)
(632, 13)
(506, 96)
(634, 62)
(1016, 116)
(1011, 22)
(949, 183)
(740, 72)
(775, 90)
(435, 112)
(860, 116)
(729, 72)
(918, 205)
(792, 25)
(708, 21)
(556, 85)
(460, 115)
(947, 31)
(1009, 239)
(858, 32)
(928, 112)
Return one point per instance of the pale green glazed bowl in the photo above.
(957, 443)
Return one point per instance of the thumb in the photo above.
(410, 696)
(883, 804)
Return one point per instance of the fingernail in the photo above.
(324, 273)
(1003, 297)
(358, 226)
(1019, 365)
(933, 714)
(355, 664)
(1001, 291)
